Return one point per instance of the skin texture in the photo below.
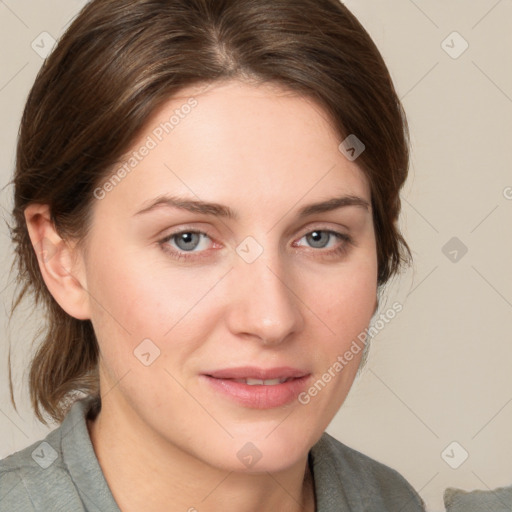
(164, 438)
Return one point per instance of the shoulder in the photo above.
(359, 481)
(38, 477)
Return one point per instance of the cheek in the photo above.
(345, 299)
(350, 307)
(124, 298)
(133, 299)
(345, 303)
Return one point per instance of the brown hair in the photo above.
(118, 62)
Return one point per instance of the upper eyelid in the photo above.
(317, 225)
(205, 232)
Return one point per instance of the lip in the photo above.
(258, 396)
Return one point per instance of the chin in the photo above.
(261, 453)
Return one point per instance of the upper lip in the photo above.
(253, 372)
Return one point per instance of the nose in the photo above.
(263, 304)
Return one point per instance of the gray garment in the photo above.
(495, 500)
(62, 474)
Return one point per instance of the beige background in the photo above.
(440, 371)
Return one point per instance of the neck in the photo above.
(146, 472)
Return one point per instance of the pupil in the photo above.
(186, 241)
(317, 236)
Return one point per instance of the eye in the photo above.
(188, 244)
(182, 242)
(326, 239)
(319, 239)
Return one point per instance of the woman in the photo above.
(206, 203)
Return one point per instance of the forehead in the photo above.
(254, 145)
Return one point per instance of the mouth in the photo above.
(261, 382)
(258, 388)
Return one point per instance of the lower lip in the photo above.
(259, 396)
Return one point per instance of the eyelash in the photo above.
(184, 255)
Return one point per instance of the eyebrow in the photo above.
(219, 210)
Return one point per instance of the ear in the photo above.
(60, 263)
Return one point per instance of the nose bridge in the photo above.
(264, 304)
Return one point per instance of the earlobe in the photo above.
(61, 265)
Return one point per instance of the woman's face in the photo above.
(189, 302)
